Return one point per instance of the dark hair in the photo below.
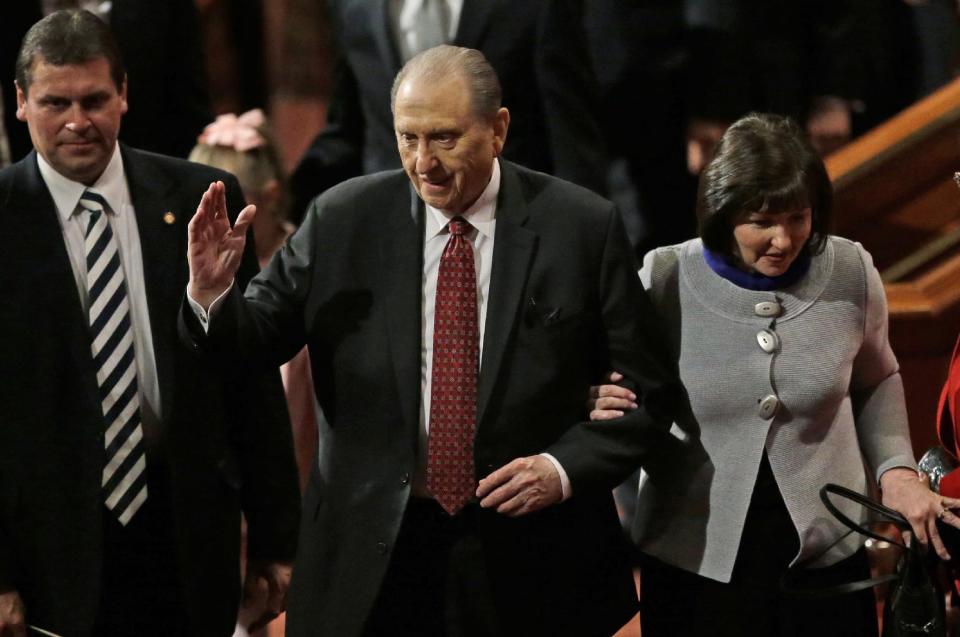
(763, 162)
(447, 60)
(69, 37)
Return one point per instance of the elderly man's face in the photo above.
(73, 113)
(446, 149)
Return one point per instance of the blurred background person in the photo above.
(244, 146)
(537, 49)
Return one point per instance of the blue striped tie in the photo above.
(124, 483)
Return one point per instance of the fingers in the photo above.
(520, 487)
(279, 583)
(936, 541)
(254, 587)
(244, 219)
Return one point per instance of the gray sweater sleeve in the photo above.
(876, 389)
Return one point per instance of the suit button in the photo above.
(405, 480)
(768, 406)
(382, 548)
(767, 309)
(768, 341)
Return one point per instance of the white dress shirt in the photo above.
(112, 185)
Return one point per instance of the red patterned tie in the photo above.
(453, 398)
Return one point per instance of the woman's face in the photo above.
(768, 242)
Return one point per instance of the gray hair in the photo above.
(440, 62)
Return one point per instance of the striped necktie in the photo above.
(124, 481)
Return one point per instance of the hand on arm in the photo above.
(522, 486)
(12, 615)
(610, 401)
(909, 494)
(264, 592)
(214, 248)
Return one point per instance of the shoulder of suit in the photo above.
(549, 198)
(176, 165)
(366, 189)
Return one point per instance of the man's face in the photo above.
(73, 113)
(446, 149)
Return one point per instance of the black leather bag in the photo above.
(915, 603)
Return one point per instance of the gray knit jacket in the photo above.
(834, 381)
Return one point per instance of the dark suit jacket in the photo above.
(160, 43)
(225, 443)
(565, 305)
(539, 52)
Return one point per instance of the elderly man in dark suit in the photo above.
(453, 329)
(124, 461)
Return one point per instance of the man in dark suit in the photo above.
(454, 329)
(124, 461)
(160, 43)
(537, 48)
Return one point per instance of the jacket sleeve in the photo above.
(599, 454)
(876, 389)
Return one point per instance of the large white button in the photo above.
(769, 405)
(768, 341)
(767, 308)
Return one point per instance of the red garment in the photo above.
(948, 422)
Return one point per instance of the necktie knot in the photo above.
(458, 226)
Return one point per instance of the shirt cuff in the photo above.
(564, 479)
(203, 315)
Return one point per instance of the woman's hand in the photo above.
(610, 401)
(909, 494)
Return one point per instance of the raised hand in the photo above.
(214, 248)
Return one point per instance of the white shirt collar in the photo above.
(480, 215)
(112, 185)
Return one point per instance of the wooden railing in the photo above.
(895, 193)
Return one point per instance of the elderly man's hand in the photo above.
(12, 615)
(522, 486)
(213, 247)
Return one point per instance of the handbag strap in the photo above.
(797, 591)
(876, 507)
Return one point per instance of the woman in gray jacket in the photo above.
(779, 332)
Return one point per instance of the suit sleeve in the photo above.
(598, 455)
(270, 495)
(568, 93)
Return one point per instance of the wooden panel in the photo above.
(894, 192)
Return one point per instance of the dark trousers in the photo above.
(141, 595)
(436, 584)
(677, 603)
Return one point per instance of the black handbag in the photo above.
(915, 605)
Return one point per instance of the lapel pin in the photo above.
(169, 218)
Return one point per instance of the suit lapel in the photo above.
(513, 250)
(401, 254)
(474, 22)
(162, 247)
